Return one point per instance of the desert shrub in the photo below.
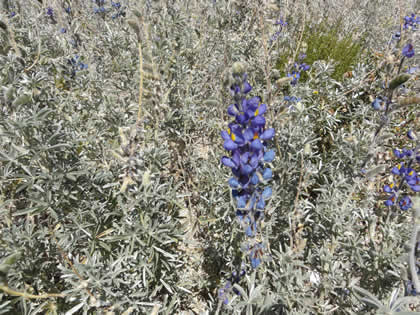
(327, 42)
(113, 197)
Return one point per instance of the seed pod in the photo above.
(409, 100)
(211, 102)
(401, 79)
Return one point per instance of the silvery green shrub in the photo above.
(113, 199)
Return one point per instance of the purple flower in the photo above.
(389, 188)
(280, 22)
(116, 5)
(256, 254)
(50, 11)
(405, 203)
(295, 76)
(391, 200)
(408, 51)
(246, 139)
(377, 104)
(398, 170)
(396, 36)
(99, 10)
(411, 135)
(411, 21)
(269, 156)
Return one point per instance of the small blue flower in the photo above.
(391, 200)
(269, 156)
(377, 104)
(280, 22)
(234, 183)
(267, 174)
(226, 161)
(50, 11)
(256, 254)
(407, 152)
(411, 135)
(413, 180)
(302, 56)
(411, 21)
(405, 203)
(99, 10)
(408, 51)
(397, 36)
(389, 188)
(398, 170)
(295, 76)
(116, 5)
(267, 134)
(267, 192)
(261, 204)
(304, 67)
(63, 30)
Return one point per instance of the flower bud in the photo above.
(238, 68)
(134, 25)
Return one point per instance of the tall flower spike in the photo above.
(247, 142)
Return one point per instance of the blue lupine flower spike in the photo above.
(246, 140)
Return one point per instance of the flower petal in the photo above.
(228, 162)
(269, 156)
(256, 144)
(246, 88)
(267, 174)
(261, 109)
(249, 134)
(230, 145)
(232, 110)
(241, 202)
(267, 192)
(225, 135)
(258, 121)
(246, 169)
(254, 179)
(261, 204)
(268, 134)
(233, 182)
